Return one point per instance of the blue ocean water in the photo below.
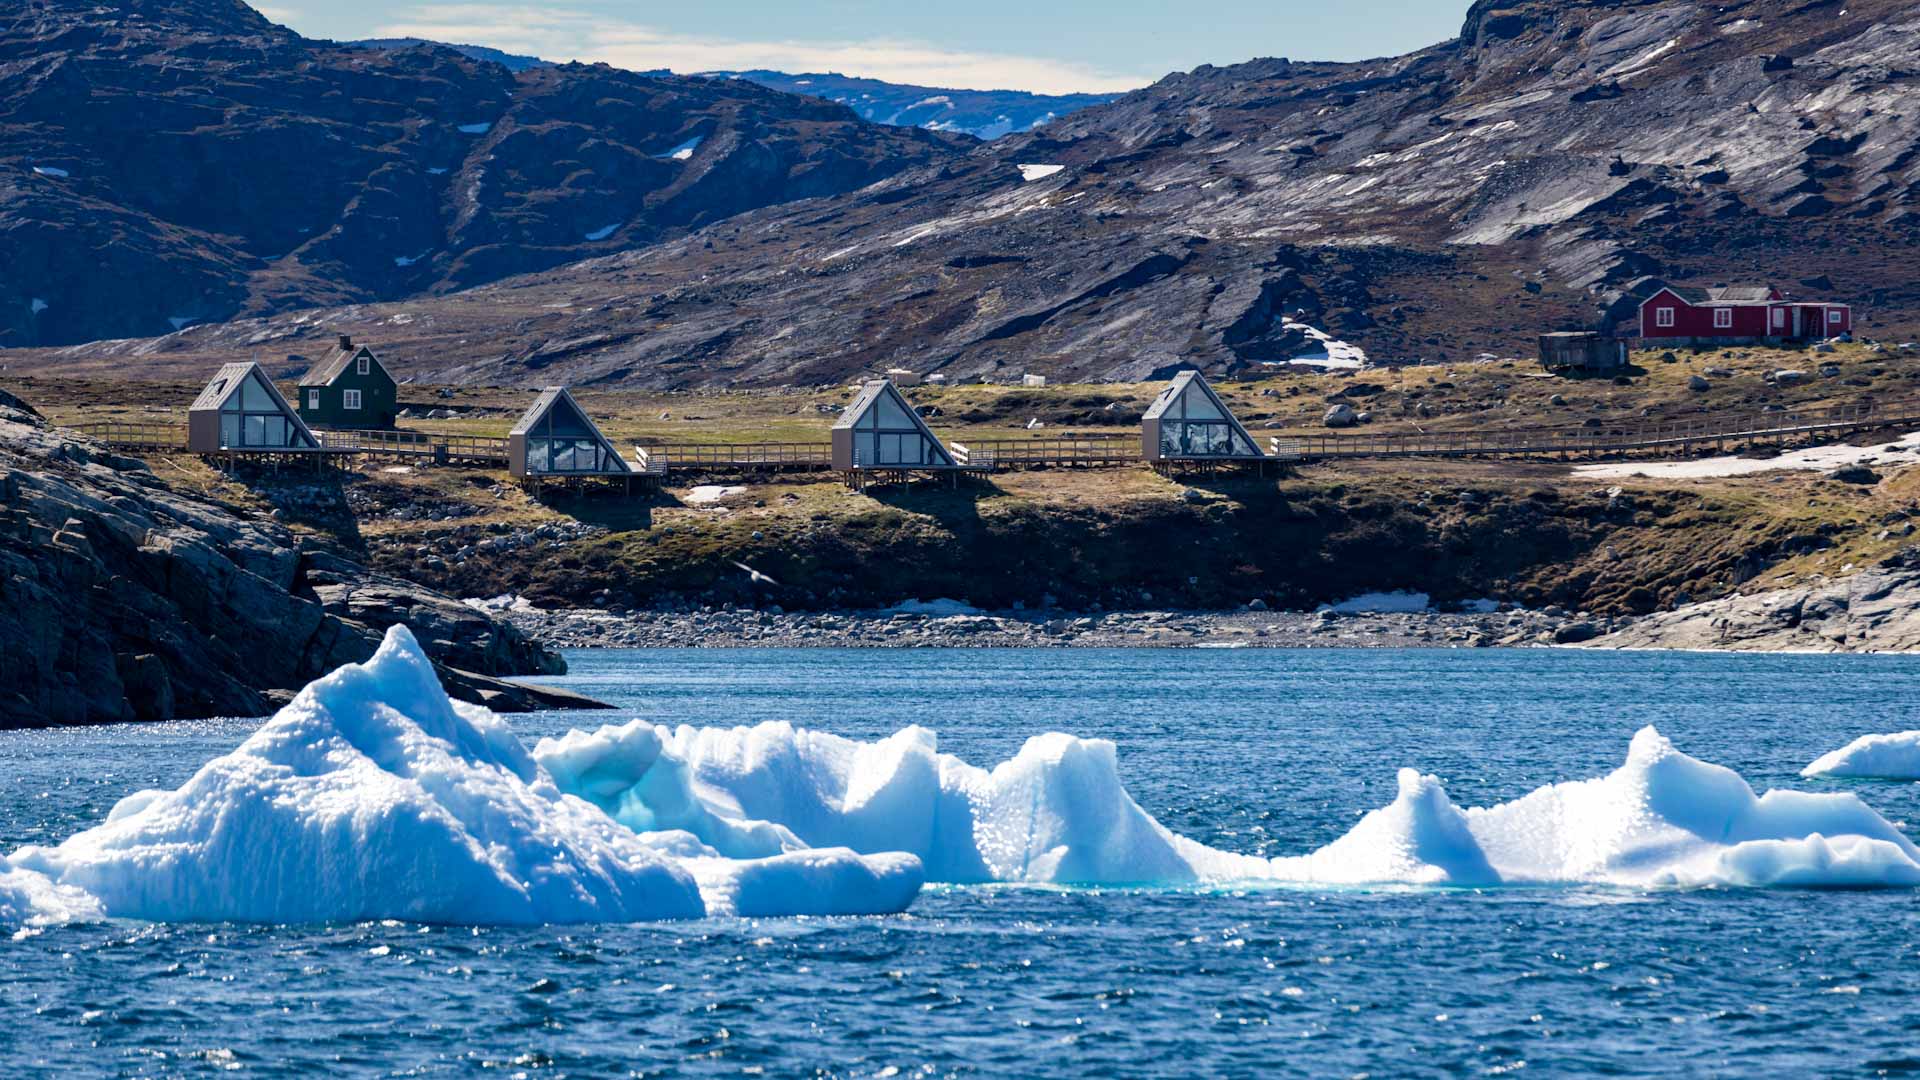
(1273, 752)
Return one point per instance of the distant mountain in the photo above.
(165, 162)
(510, 61)
(984, 114)
(1543, 171)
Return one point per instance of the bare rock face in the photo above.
(1872, 611)
(124, 599)
(171, 162)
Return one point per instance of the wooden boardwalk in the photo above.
(1089, 451)
(1682, 436)
(1717, 430)
(662, 458)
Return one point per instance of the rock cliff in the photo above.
(122, 598)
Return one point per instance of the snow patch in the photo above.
(1875, 757)
(939, 609)
(180, 322)
(436, 171)
(711, 493)
(1815, 459)
(476, 129)
(1329, 352)
(937, 99)
(1038, 172)
(404, 261)
(603, 233)
(1379, 603)
(37, 305)
(684, 152)
(49, 170)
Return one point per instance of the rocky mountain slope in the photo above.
(188, 161)
(984, 114)
(125, 599)
(1542, 171)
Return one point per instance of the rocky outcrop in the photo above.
(122, 598)
(1873, 611)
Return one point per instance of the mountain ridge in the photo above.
(1543, 171)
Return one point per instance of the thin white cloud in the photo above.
(576, 35)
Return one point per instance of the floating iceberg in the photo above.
(1057, 813)
(1873, 757)
(372, 795)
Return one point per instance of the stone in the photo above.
(1340, 416)
(1697, 384)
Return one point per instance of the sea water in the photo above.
(1263, 753)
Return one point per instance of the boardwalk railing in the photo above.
(1085, 450)
(425, 444)
(1682, 434)
(665, 457)
(135, 434)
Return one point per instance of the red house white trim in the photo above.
(1739, 314)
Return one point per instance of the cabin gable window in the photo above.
(1663, 318)
(363, 365)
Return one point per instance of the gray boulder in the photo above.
(1340, 416)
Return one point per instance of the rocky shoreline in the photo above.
(745, 628)
(1873, 611)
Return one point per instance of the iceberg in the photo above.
(1057, 813)
(1872, 757)
(373, 796)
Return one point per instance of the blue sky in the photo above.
(1055, 47)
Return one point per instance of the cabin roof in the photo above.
(539, 409)
(335, 365)
(222, 385)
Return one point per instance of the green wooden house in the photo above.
(349, 388)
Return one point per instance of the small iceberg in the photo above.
(1872, 757)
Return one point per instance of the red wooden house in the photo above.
(1738, 315)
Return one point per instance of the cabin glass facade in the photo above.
(253, 418)
(888, 436)
(1192, 423)
(564, 441)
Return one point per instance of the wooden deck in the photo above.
(1086, 451)
(663, 458)
(442, 449)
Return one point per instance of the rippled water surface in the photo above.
(1261, 751)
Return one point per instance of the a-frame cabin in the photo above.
(1189, 422)
(554, 438)
(880, 431)
(241, 410)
